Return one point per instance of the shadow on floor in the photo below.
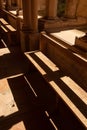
(33, 112)
(12, 62)
(29, 112)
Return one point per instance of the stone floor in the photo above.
(18, 110)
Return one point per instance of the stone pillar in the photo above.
(26, 25)
(29, 35)
(1, 4)
(34, 15)
(71, 8)
(27, 14)
(8, 4)
(51, 9)
(19, 3)
(19, 7)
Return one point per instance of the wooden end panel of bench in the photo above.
(76, 89)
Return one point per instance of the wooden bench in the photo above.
(70, 62)
(7, 32)
(69, 91)
(58, 36)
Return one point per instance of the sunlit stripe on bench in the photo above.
(47, 61)
(75, 88)
(35, 64)
(10, 28)
(3, 21)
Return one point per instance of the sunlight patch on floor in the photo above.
(4, 51)
(18, 126)
(8, 105)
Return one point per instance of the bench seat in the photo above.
(68, 90)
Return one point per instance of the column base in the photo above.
(29, 41)
(52, 18)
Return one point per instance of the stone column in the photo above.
(19, 3)
(71, 8)
(26, 27)
(29, 35)
(19, 7)
(51, 9)
(1, 4)
(8, 4)
(34, 15)
(27, 14)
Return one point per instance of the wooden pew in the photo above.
(45, 61)
(7, 32)
(66, 38)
